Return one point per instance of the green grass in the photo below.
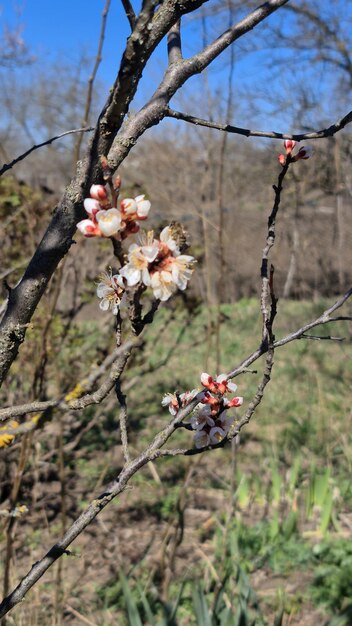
(292, 479)
(291, 489)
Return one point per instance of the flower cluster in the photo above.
(305, 152)
(150, 262)
(210, 420)
(158, 264)
(105, 220)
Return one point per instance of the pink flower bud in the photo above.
(91, 206)
(282, 159)
(235, 402)
(208, 382)
(89, 228)
(289, 144)
(98, 192)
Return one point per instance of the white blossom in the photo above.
(111, 291)
(109, 222)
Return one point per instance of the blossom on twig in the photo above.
(111, 291)
(210, 420)
(158, 264)
(220, 385)
(135, 209)
(106, 220)
(305, 152)
(175, 401)
(289, 144)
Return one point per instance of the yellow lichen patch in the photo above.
(7, 438)
(75, 393)
(35, 418)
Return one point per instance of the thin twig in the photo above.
(270, 240)
(76, 613)
(71, 401)
(247, 132)
(8, 166)
(123, 420)
(91, 78)
(222, 269)
(322, 338)
(323, 319)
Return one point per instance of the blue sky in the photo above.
(65, 29)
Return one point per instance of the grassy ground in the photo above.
(257, 534)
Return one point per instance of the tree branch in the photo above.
(246, 132)
(74, 400)
(130, 14)
(8, 166)
(174, 43)
(176, 76)
(57, 240)
(325, 318)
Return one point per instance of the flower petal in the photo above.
(109, 222)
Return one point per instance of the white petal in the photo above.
(205, 379)
(166, 277)
(98, 192)
(166, 400)
(132, 275)
(146, 277)
(216, 434)
(143, 208)
(116, 278)
(91, 206)
(150, 252)
(165, 234)
(103, 290)
(109, 221)
(104, 304)
(201, 439)
(129, 206)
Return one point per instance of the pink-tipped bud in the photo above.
(303, 153)
(98, 192)
(289, 144)
(282, 159)
(88, 228)
(117, 182)
(92, 207)
(238, 401)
